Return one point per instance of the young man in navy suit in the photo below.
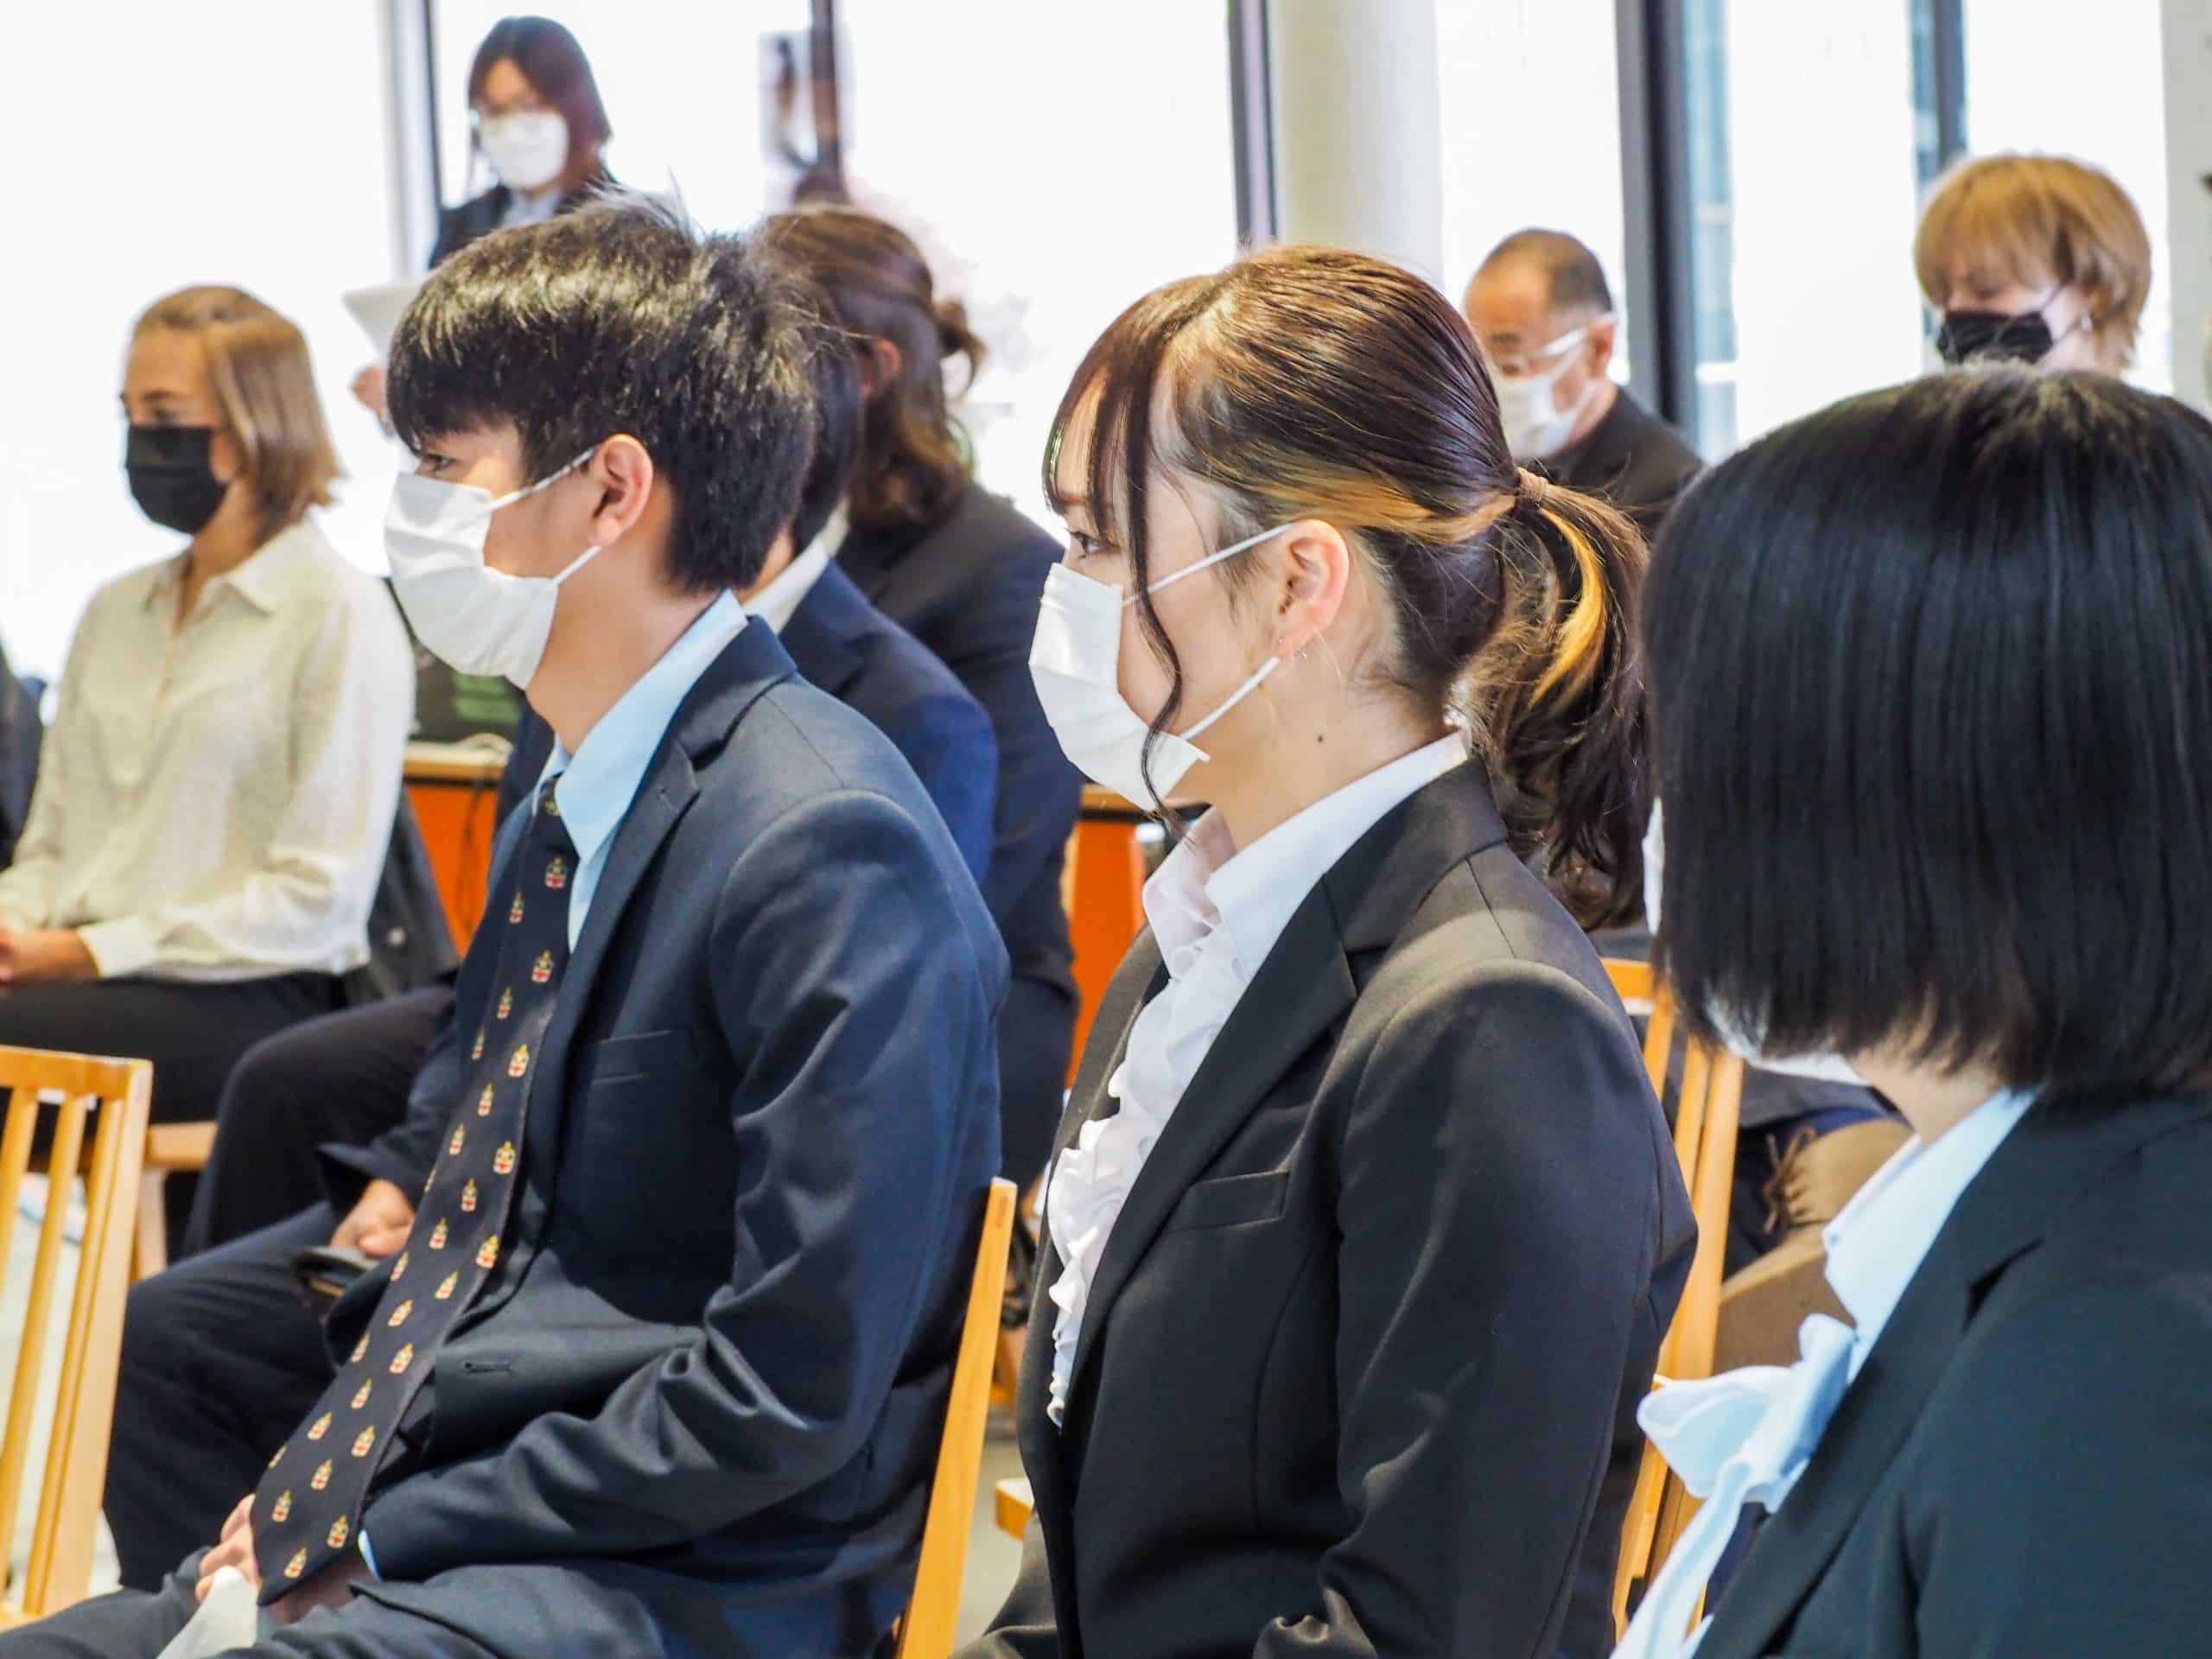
(660, 1364)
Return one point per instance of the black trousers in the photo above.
(137, 1625)
(221, 1361)
(193, 1033)
(343, 1077)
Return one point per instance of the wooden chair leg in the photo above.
(149, 1245)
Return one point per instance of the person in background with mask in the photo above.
(662, 1365)
(214, 801)
(2034, 259)
(1542, 307)
(1363, 1225)
(2005, 1451)
(539, 122)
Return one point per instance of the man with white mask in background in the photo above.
(1542, 307)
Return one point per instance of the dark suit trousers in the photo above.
(220, 1361)
(193, 1033)
(343, 1077)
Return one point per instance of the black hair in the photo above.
(836, 433)
(619, 318)
(1931, 681)
(1573, 277)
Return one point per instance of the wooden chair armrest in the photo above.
(1016, 1503)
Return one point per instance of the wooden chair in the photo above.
(1706, 1113)
(170, 1148)
(925, 1631)
(120, 1091)
(1104, 891)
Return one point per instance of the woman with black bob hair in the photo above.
(1936, 762)
(1364, 1227)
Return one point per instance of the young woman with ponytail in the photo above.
(1363, 1225)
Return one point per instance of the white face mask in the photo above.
(1077, 663)
(1824, 1068)
(1536, 426)
(528, 149)
(478, 619)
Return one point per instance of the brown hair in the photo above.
(265, 386)
(554, 66)
(2036, 219)
(1316, 381)
(913, 460)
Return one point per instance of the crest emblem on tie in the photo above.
(361, 1396)
(477, 1052)
(446, 1286)
(520, 1064)
(506, 1003)
(360, 1353)
(468, 1198)
(280, 1450)
(400, 1268)
(282, 1511)
(552, 805)
(514, 910)
(322, 1476)
(454, 1146)
(398, 1317)
(402, 1359)
(504, 1163)
(321, 1428)
(438, 1237)
(556, 873)
(489, 1253)
(484, 1102)
(363, 1441)
(297, 1565)
(542, 970)
(337, 1534)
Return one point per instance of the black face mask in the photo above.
(1990, 336)
(168, 467)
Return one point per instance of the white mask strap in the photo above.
(1236, 696)
(1211, 559)
(545, 483)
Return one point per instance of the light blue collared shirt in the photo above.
(598, 783)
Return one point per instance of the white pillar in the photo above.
(1358, 150)
(2188, 60)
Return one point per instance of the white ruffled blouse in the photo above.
(1216, 912)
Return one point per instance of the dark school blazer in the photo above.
(1359, 1368)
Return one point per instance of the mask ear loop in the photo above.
(1210, 559)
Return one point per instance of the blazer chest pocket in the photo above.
(1231, 1201)
(636, 1056)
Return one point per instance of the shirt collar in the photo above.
(264, 579)
(599, 780)
(1876, 1244)
(1208, 882)
(778, 601)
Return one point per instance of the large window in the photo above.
(1802, 139)
(244, 144)
(1055, 162)
(2045, 75)
(1531, 127)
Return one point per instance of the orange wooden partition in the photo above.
(456, 804)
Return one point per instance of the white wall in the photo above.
(2187, 39)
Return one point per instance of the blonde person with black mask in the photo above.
(1363, 1226)
(215, 798)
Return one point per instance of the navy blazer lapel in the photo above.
(748, 665)
(819, 634)
(2048, 1161)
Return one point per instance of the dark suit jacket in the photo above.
(707, 1390)
(2024, 1465)
(481, 214)
(969, 588)
(1632, 459)
(842, 645)
(1359, 1368)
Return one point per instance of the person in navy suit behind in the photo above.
(218, 1353)
(679, 1386)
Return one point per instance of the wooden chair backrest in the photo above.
(114, 1095)
(1706, 1108)
(933, 1610)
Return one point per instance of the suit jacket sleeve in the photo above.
(1496, 1208)
(1025, 1627)
(948, 741)
(2066, 1505)
(823, 927)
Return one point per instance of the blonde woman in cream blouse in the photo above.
(215, 798)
